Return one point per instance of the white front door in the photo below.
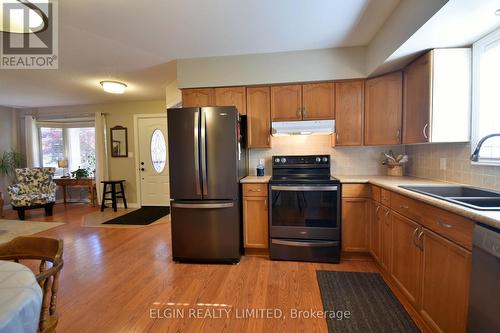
(153, 161)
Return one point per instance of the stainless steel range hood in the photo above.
(305, 127)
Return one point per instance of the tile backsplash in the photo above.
(345, 160)
(425, 162)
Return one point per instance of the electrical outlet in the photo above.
(442, 163)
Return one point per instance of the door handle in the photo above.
(304, 188)
(204, 174)
(196, 153)
(424, 131)
(420, 241)
(309, 244)
(444, 225)
(413, 237)
(203, 205)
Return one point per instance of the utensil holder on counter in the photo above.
(395, 170)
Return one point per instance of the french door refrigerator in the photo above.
(207, 159)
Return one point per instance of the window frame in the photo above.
(477, 51)
(64, 126)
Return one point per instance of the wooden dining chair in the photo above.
(49, 252)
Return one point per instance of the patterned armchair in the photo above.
(35, 189)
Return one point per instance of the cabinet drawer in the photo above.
(255, 190)
(385, 197)
(355, 191)
(454, 227)
(376, 193)
(407, 207)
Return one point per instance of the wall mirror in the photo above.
(119, 142)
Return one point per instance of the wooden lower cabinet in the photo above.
(406, 257)
(445, 283)
(375, 224)
(255, 220)
(385, 239)
(355, 219)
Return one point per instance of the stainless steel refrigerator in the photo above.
(207, 159)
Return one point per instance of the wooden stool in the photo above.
(113, 193)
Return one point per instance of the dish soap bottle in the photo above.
(260, 168)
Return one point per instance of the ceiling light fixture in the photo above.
(497, 12)
(38, 20)
(113, 87)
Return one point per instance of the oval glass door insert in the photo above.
(158, 151)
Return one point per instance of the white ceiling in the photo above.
(138, 41)
(459, 23)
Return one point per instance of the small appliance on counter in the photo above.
(304, 209)
(207, 160)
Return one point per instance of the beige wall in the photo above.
(310, 65)
(117, 114)
(344, 160)
(425, 159)
(8, 140)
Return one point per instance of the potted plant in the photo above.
(9, 161)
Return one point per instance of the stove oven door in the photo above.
(305, 212)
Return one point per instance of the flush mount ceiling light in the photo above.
(14, 11)
(113, 87)
(497, 12)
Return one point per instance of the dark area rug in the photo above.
(142, 216)
(372, 305)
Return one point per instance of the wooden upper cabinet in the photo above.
(232, 96)
(198, 97)
(445, 277)
(383, 109)
(259, 117)
(349, 113)
(417, 100)
(286, 102)
(318, 101)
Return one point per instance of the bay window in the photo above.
(72, 142)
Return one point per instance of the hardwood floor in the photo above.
(114, 279)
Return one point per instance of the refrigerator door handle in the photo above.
(204, 174)
(202, 205)
(197, 152)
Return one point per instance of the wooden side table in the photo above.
(86, 182)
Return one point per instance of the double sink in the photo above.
(466, 196)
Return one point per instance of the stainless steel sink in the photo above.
(467, 196)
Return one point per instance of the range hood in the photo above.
(303, 127)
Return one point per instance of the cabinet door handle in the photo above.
(338, 137)
(376, 211)
(387, 213)
(414, 237)
(265, 203)
(424, 131)
(444, 225)
(304, 112)
(404, 206)
(398, 133)
(254, 190)
(420, 241)
(299, 112)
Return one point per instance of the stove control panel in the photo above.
(301, 160)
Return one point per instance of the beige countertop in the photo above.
(491, 218)
(255, 179)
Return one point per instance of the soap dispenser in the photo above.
(260, 168)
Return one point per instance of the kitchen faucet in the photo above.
(475, 155)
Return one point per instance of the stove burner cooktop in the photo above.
(302, 169)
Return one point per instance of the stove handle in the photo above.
(309, 244)
(305, 188)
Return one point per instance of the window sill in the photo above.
(487, 163)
